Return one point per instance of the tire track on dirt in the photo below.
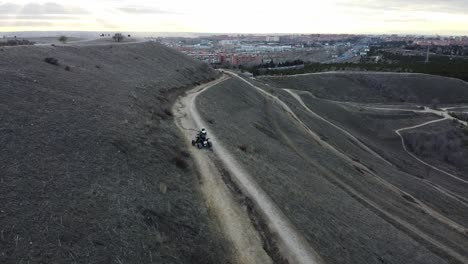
(398, 222)
(357, 141)
(398, 131)
(389, 185)
(290, 242)
(438, 188)
(231, 217)
(444, 114)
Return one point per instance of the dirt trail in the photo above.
(445, 116)
(420, 160)
(454, 107)
(391, 217)
(236, 224)
(232, 217)
(442, 113)
(357, 141)
(295, 94)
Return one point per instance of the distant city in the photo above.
(248, 50)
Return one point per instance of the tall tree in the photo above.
(63, 39)
(118, 37)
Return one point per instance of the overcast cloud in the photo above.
(453, 6)
(144, 10)
(48, 8)
(249, 16)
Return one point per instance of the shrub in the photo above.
(118, 37)
(167, 112)
(465, 142)
(67, 68)
(185, 154)
(180, 163)
(16, 42)
(465, 131)
(63, 39)
(461, 116)
(243, 148)
(52, 61)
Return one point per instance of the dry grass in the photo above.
(84, 155)
(312, 185)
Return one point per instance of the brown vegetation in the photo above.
(84, 155)
(343, 201)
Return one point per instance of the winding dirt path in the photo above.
(398, 131)
(295, 94)
(231, 217)
(391, 217)
(236, 225)
(443, 113)
(445, 116)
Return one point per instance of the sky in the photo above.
(444, 17)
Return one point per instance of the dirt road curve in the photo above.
(445, 116)
(297, 95)
(389, 215)
(234, 221)
(362, 145)
(420, 160)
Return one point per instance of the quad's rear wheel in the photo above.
(209, 145)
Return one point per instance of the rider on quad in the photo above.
(201, 141)
(201, 136)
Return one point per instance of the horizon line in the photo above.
(233, 33)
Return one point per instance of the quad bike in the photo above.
(202, 143)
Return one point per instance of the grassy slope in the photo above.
(300, 175)
(92, 168)
(441, 144)
(384, 88)
(444, 143)
(377, 87)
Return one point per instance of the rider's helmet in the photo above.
(203, 131)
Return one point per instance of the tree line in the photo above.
(438, 65)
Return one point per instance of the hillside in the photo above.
(338, 170)
(92, 167)
(377, 87)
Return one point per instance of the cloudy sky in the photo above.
(238, 16)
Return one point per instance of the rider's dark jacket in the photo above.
(201, 137)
